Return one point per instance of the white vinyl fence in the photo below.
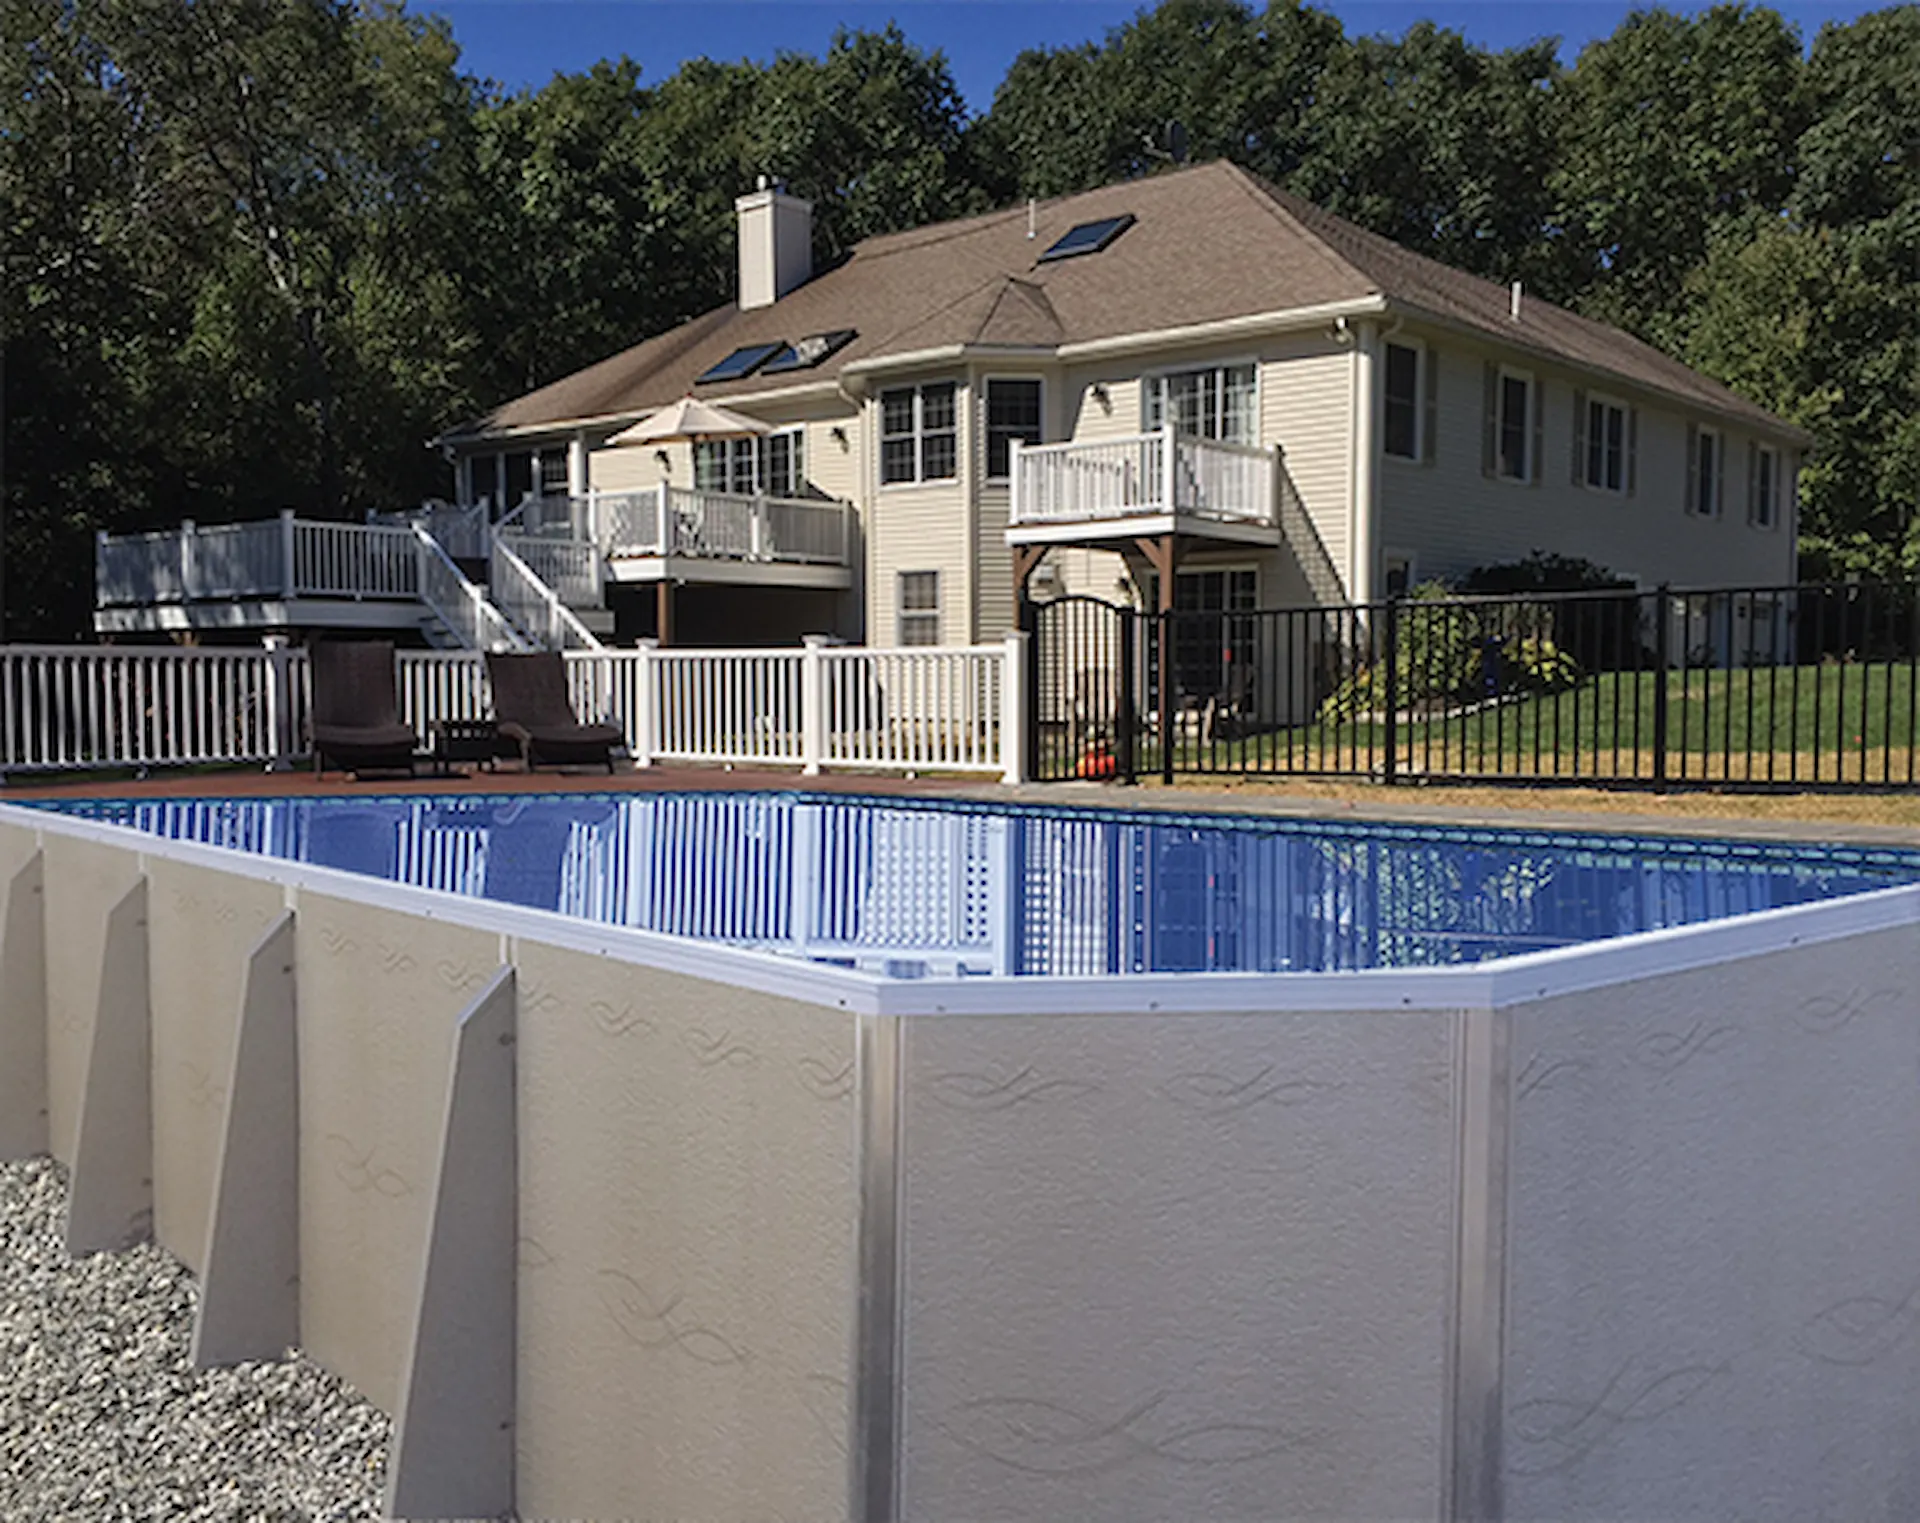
(937, 709)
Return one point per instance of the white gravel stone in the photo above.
(102, 1418)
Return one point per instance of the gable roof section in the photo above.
(1211, 244)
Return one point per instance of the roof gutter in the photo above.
(1778, 427)
(1288, 320)
(619, 420)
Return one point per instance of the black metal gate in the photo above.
(1083, 686)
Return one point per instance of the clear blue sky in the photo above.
(525, 42)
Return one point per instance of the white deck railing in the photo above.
(933, 709)
(724, 526)
(457, 602)
(1141, 475)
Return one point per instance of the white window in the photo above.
(1764, 509)
(1013, 412)
(917, 436)
(775, 464)
(917, 618)
(1204, 404)
(1603, 445)
(1513, 426)
(1402, 413)
(1706, 473)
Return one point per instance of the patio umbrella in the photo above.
(691, 419)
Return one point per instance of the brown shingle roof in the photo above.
(1210, 243)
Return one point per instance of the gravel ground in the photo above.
(102, 1419)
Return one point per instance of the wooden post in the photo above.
(663, 611)
(1025, 559)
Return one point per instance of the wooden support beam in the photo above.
(1163, 554)
(663, 611)
(250, 1286)
(23, 1013)
(453, 1447)
(1025, 559)
(110, 1204)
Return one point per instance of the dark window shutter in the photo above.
(1753, 482)
(1429, 401)
(1692, 503)
(1633, 450)
(1578, 471)
(1720, 476)
(1490, 424)
(1537, 405)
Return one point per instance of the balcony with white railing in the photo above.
(1155, 483)
(687, 534)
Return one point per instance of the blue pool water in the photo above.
(941, 888)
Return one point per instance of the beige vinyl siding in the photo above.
(1306, 407)
(920, 527)
(1451, 518)
(633, 467)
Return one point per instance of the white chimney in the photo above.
(1513, 301)
(776, 245)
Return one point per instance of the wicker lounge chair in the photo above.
(356, 711)
(532, 710)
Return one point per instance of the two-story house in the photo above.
(1195, 372)
(1195, 369)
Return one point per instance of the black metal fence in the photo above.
(1804, 686)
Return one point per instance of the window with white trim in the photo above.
(1764, 509)
(1013, 412)
(1605, 466)
(775, 464)
(917, 609)
(1707, 473)
(1401, 431)
(1216, 403)
(1513, 429)
(918, 439)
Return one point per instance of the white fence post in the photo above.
(1013, 708)
(281, 739)
(289, 582)
(813, 704)
(646, 704)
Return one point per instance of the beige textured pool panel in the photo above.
(687, 1249)
(380, 995)
(23, 995)
(203, 924)
(250, 1267)
(1167, 1266)
(1714, 1275)
(84, 881)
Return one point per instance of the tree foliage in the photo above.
(259, 252)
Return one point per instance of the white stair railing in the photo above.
(532, 606)
(457, 603)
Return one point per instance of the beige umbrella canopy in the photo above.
(691, 419)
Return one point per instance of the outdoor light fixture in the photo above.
(839, 435)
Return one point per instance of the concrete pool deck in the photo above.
(1843, 818)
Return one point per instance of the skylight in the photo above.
(808, 352)
(742, 362)
(1088, 237)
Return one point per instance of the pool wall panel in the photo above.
(378, 996)
(202, 924)
(23, 995)
(1176, 1266)
(688, 1280)
(85, 882)
(1714, 1274)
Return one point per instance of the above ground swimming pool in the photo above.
(945, 888)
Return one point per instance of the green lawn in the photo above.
(1830, 724)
